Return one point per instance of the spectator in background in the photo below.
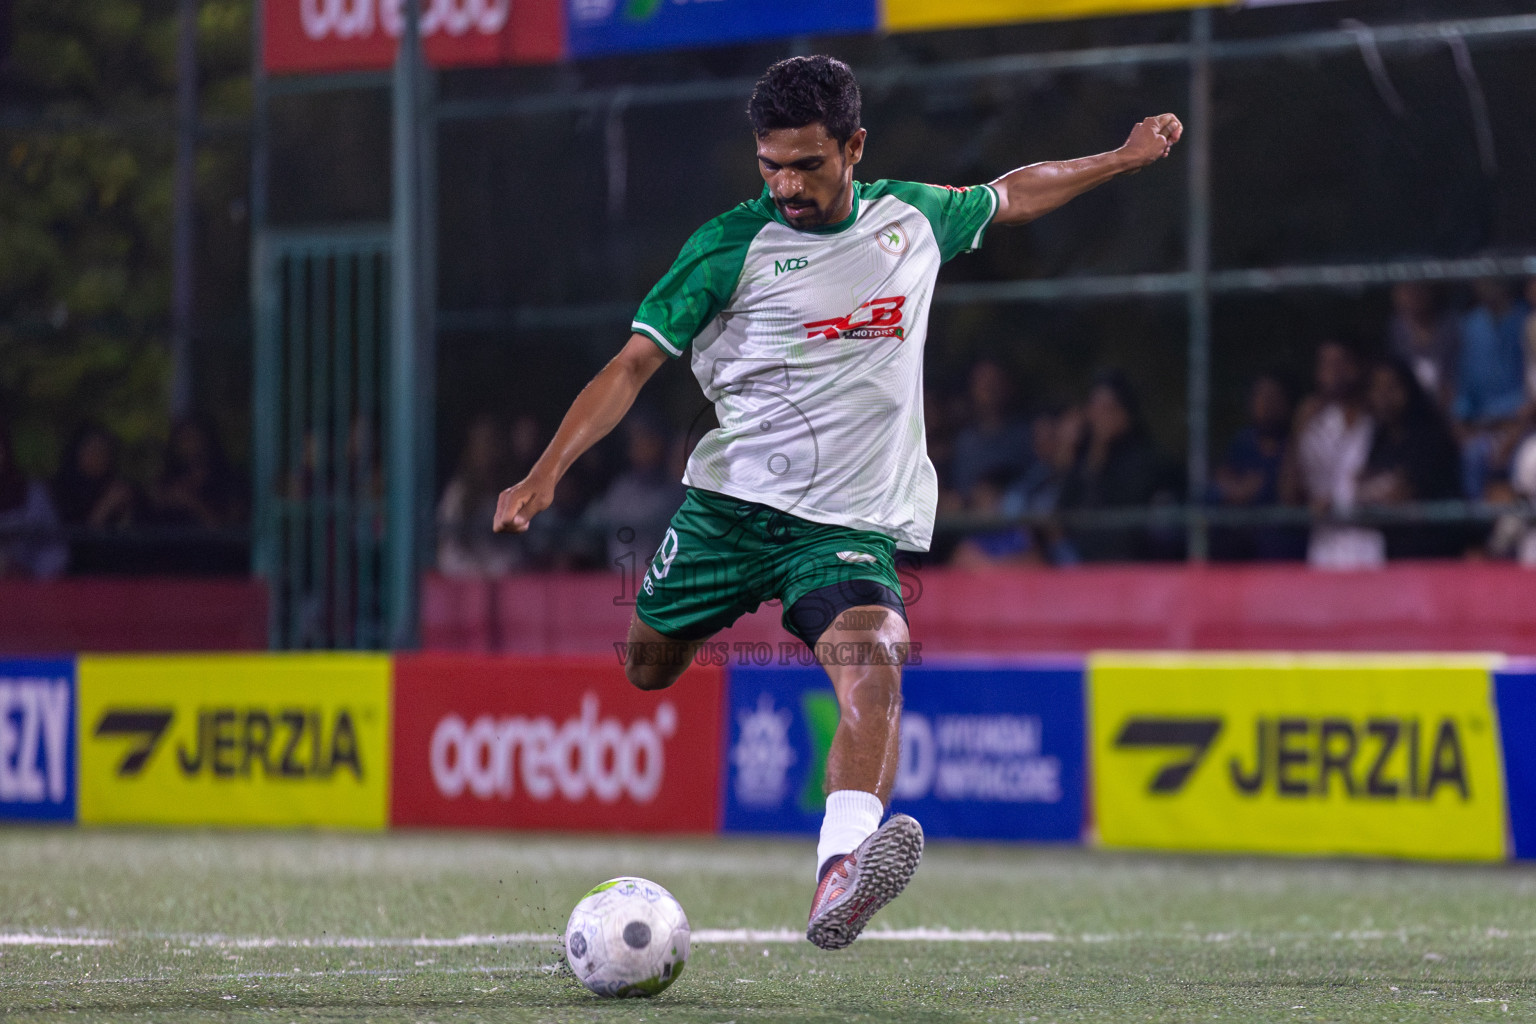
(1413, 457)
(1248, 476)
(1008, 545)
(1529, 339)
(466, 545)
(198, 487)
(1425, 335)
(1116, 466)
(1492, 391)
(995, 440)
(93, 496)
(29, 543)
(635, 510)
(1053, 435)
(1332, 440)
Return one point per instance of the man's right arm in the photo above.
(596, 411)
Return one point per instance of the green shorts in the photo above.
(722, 557)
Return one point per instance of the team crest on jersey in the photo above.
(883, 320)
(892, 238)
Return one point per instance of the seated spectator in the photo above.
(1413, 457)
(1425, 335)
(637, 506)
(1331, 441)
(29, 542)
(1492, 391)
(1116, 466)
(1529, 339)
(198, 487)
(1037, 491)
(466, 544)
(1248, 476)
(1008, 545)
(995, 439)
(93, 497)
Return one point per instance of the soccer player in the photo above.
(805, 311)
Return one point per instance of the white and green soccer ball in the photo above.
(627, 937)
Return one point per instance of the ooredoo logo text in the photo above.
(360, 19)
(587, 755)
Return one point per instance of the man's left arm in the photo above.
(1036, 190)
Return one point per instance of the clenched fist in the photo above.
(1152, 139)
(517, 505)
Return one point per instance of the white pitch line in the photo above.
(29, 939)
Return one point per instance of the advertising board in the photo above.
(989, 750)
(255, 739)
(1315, 754)
(617, 26)
(37, 739)
(925, 15)
(1515, 695)
(361, 35)
(553, 743)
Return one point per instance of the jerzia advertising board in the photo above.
(988, 750)
(235, 740)
(553, 743)
(1389, 756)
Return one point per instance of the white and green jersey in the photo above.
(810, 345)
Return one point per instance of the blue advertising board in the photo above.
(989, 750)
(1515, 695)
(37, 740)
(621, 26)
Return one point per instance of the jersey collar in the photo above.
(827, 229)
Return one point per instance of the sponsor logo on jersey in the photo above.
(785, 266)
(892, 238)
(882, 319)
(856, 557)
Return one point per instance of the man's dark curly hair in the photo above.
(803, 90)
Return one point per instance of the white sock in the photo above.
(852, 816)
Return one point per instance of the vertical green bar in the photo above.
(369, 280)
(291, 480)
(318, 444)
(266, 430)
(342, 591)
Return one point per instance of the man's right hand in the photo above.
(517, 505)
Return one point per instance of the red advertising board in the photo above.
(553, 743)
(360, 35)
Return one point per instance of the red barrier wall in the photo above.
(1453, 606)
(132, 615)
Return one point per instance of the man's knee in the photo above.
(650, 677)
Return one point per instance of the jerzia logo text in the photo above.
(883, 321)
(1380, 758)
(292, 743)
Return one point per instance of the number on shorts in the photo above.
(665, 554)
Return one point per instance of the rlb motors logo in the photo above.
(585, 756)
(37, 709)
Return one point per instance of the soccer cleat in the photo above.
(861, 882)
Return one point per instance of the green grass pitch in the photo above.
(99, 925)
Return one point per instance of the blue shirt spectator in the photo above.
(995, 442)
(1492, 384)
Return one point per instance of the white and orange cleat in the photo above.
(860, 883)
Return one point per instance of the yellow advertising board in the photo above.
(926, 15)
(235, 739)
(1316, 754)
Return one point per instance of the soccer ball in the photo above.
(627, 937)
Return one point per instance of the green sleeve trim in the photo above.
(958, 216)
(701, 281)
(660, 339)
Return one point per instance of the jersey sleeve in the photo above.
(960, 217)
(699, 285)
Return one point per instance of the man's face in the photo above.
(809, 175)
